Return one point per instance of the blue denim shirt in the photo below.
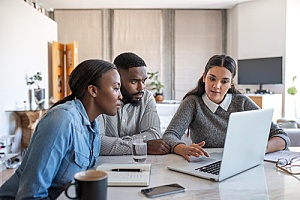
(64, 142)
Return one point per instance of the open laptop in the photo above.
(244, 148)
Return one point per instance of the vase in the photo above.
(30, 98)
(39, 97)
(159, 97)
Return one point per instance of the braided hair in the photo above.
(86, 73)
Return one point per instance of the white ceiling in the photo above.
(133, 4)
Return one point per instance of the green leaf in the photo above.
(292, 90)
(35, 79)
(155, 83)
(294, 78)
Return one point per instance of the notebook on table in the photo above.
(127, 174)
(244, 148)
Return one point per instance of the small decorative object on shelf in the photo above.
(37, 5)
(155, 84)
(39, 93)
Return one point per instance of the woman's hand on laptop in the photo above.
(195, 150)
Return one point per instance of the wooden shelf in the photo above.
(64, 60)
(29, 120)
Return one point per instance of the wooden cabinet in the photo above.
(64, 60)
(269, 101)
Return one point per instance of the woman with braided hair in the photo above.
(67, 139)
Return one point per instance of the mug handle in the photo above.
(67, 189)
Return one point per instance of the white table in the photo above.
(262, 182)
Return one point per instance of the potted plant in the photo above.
(156, 85)
(39, 93)
(293, 91)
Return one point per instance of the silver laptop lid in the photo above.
(246, 141)
(245, 146)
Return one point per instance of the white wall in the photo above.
(90, 23)
(258, 29)
(198, 36)
(24, 37)
(292, 55)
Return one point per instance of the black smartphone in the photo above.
(162, 190)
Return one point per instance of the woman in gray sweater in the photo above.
(205, 112)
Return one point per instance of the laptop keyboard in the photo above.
(213, 168)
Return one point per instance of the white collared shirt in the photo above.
(213, 106)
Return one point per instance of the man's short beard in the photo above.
(128, 98)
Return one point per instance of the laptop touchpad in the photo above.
(202, 160)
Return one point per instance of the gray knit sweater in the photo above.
(207, 126)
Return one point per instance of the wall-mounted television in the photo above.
(260, 71)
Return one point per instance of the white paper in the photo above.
(274, 156)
